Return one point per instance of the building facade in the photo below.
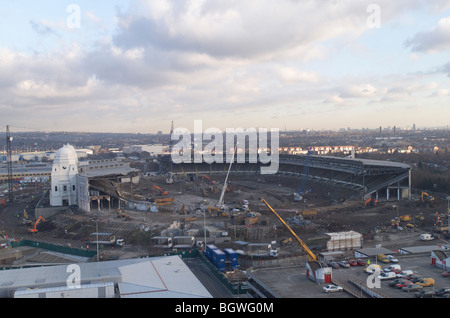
(64, 177)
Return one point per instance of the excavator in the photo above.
(161, 192)
(311, 255)
(426, 197)
(34, 229)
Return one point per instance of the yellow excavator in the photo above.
(426, 197)
(311, 255)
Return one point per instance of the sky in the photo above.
(136, 66)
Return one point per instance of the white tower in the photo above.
(64, 177)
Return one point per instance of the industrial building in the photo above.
(158, 277)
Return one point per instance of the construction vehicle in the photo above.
(370, 202)
(121, 214)
(205, 177)
(213, 208)
(405, 218)
(34, 229)
(166, 201)
(161, 191)
(311, 255)
(26, 220)
(426, 197)
(309, 213)
(286, 241)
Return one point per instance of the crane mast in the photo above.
(169, 179)
(9, 150)
(311, 255)
(220, 203)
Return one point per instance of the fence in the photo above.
(55, 248)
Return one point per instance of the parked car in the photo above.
(426, 282)
(332, 288)
(405, 273)
(361, 262)
(392, 259)
(372, 268)
(333, 264)
(404, 284)
(392, 268)
(352, 262)
(382, 258)
(443, 291)
(446, 274)
(344, 264)
(425, 294)
(388, 275)
(397, 281)
(413, 277)
(412, 287)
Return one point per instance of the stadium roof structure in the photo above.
(363, 176)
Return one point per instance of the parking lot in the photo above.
(419, 264)
(293, 283)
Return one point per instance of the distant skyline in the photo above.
(135, 66)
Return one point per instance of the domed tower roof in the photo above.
(66, 156)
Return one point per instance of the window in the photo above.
(56, 188)
(73, 187)
(65, 188)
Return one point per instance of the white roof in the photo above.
(166, 277)
(163, 277)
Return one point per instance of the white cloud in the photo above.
(432, 41)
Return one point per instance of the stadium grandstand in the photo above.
(365, 178)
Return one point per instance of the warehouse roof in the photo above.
(150, 277)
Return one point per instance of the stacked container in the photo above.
(218, 259)
(232, 258)
(209, 249)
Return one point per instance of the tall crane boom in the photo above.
(220, 203)
(311, 255)
(9, 150)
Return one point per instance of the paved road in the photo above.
(207, 278)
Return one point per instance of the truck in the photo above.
(105, 239)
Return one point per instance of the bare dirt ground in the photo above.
(334, 212)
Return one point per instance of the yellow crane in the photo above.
(311, 255)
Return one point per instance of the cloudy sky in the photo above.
(138, 65)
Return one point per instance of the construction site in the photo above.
(314, 205)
